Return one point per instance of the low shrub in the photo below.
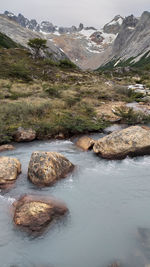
(131, 117)
(71, 101)
(67, 64)
(130, 94)
(19, 70)
(52, 91)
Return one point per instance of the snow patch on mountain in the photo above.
(113, 22)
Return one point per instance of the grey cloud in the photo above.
(71, 12)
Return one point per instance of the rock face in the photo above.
(126, 30)
(114, 26)
(133, 40)
(119, 40)
(45, 168)
(21, 35)
(85, 143)
(35, 213)
(97, 37)
(132, 141)
(6, 147)
(24, 135)
(9, 170)
(63, 42)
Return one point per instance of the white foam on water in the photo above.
(7, 199)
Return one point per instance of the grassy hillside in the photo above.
(6, 42)
(53, 98)
(49, 97)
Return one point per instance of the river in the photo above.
(108, 202)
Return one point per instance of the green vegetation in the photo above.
(130, 95)
(67, 64)
(6, 42)
(131, 117)
(19, 70)
(52, 91)
(37, 45)
(56, 97)
(142, 64)
(46, 119)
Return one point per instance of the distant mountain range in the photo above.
(121, 40)
(44, 26)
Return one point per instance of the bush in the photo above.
(130, 94)
(77, 123)
(19, 70)
(43, 129)
(66, 63)
(71, 101)
(129, 116)
(52, 91)
(16, 95)
(14, 115)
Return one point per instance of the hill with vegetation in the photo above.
(57, 98)
(6, 42)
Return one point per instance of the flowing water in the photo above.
(109, 204)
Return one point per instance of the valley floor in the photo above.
(59, 99)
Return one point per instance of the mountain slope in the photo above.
(122, 41)
(6, 42)
(85, 46)
(132, 42)
(21, 36)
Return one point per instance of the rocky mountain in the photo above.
(120, 40)
(85, 46)
(44, 26)
(6, 42)
(132, 43)
(21, 36)
(137, 41)
(114, 25)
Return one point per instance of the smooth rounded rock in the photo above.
(132, 141)
(6, 147)
(34, 213)
(45, 168)
(85, 143)
(9, 170)
(24, 135)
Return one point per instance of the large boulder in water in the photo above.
(34, 213)
(45, 168)
(132, 141)
(24, 135)
(9, 170)
(85, 143)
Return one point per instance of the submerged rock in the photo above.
(85, 143)
(9, 170)
(45, 168)
(132, 141)
(24, 135)
(6, 147)
(34, 213)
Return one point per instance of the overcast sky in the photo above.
(72, 12)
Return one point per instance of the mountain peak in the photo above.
(114, 25)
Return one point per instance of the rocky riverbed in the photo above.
(107, 200)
